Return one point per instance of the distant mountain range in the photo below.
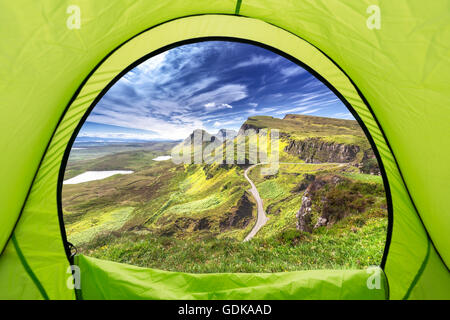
(221, 135)
(309, 138)
(99, 141)
(102, 134)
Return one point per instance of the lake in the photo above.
(95, 175)
(162, 158)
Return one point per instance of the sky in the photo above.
(208, 85)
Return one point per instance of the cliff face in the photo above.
(369, 163)
(315, 150)
(329, 198)
(203, 136)
(225, 134)
(240, 215)
(320, 144)
(248, 126)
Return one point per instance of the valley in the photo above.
(325, 207)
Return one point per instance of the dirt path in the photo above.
(261, 217)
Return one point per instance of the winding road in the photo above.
(262, 218)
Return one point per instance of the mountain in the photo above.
(221, 135)
(201, 134)
(304, 125)
(318, 139)
(226, 134)
(308, 138)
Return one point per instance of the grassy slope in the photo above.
(161, 197)
(309, 126)
(199, 197)
(351, 243)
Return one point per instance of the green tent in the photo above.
(387, 60)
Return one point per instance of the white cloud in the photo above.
(229, 124)
(118, 135)
(152, 63)
(343, 115)
(166, 129)
(268, 109)
(310, 96)
(256, 60)
(176, 92)
(211, 105)
(263, 110)
(223, 95)
(311, 111)
(292, 71)
(298, 109)
(165, 107)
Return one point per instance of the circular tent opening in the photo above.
(152, 43)
(224, 156)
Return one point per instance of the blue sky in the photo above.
(208, 85)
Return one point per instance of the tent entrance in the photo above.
(404, 106)
(323, 149)
(311, 59)
(174, 33)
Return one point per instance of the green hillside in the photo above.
(194, 217)
(311, 133)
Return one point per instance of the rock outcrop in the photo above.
(225, 134)
(304, 214)
(240, 215)
(334, 197)
(307, 179)
(248, 126)
(202, 224)
(316, 150)
(369, 163)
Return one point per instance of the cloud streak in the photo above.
(211, 85)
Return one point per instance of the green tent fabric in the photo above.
(104, 280)
(394, 79)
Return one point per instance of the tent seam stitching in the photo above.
(419, 273)
(28, 268)
(238, 6)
